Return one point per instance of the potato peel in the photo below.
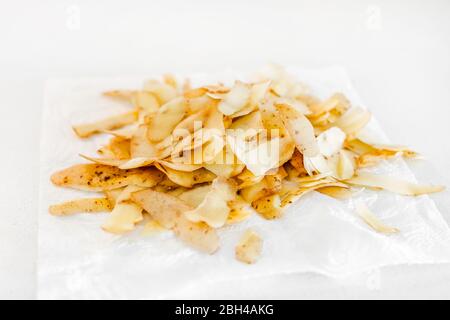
(114, 122)
(214, 209)
(406, 188)
(249, 248)
(168, 211)
(89, 205)
(373, 221)
(236, 99)
(300, 129)
(96, 177)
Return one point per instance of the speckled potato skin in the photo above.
(97, 177)
(168, 211)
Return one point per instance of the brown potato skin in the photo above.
(89, 205)
(164, 208)
(97, 177)
(249, 248)
(113, 122)
(168, 211)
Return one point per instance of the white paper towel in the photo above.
(77, 260)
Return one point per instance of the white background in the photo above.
(396, 52)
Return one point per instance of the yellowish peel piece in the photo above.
(152, 227)
(373, 221)
(383, 152)
(291, 191)
(259, 158)
(125, 214)
(353, 121)
(197, 235)
(256, 191)
(186, 167)
(162, 91)
(187, 179)
(168, 211)
(292, 172)
(123, 218)
(186, 86)
(163, 208)
(300, 129)
(167, 185)
(214, 209)
(170, 80)
(113, 195)
(331, 141)
(140, 145)
(271, 121)
(372, 154)
(215, 121)
(225, 164)
(126, 193)
(275, 128)
(251, 122)
(244, 111)
(96, 177)
(162, 123)
(110, 123)
(282, 83)
(177, 191)
(145, 101)
(239, 211)
(340, 193)
(406, 188)
(124, 95)
(124, 132)
(197, 104)
(314, 183)
(248, 179)
(211, 149)
(188, 124)
(316, 165)
(358, 146)
(287, 149)
(345, 165)
(297, 162)
(105, 161)
(218, 88)
(336, 102)
(294, 104)
(236, 99)
(312, 178)
(258, 93)
(117, 148)
(249, 248)
(269, 207)
(137, 163)
(194, 93)
(274, 180)
(195, 196)
(193, 148)
(124, 163)
(309, 100)
(89, 205)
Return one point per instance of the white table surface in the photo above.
(396, 52)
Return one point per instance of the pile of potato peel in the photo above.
(196, 159)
